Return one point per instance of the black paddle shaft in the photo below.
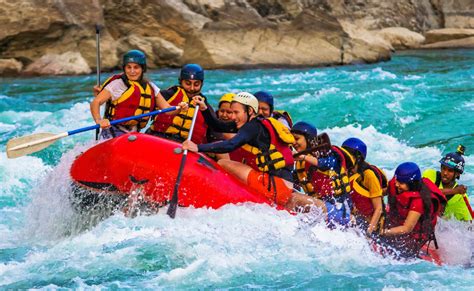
(174, 199)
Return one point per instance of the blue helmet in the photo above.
(135, 56)
(304, 128)
(191, 72)
(407, 173)
(264, 96)
(455, 160)
(357, 145)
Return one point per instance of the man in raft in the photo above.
(191, 80)
(452, 166)
(128, 94)
(269, 140)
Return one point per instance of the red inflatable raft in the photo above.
(140, 163)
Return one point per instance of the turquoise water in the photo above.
(416, 107)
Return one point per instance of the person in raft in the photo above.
(452, 166)
(414, 205)
(127, 94)
(265, 108)
(367, 183)
(191, 80)
(323, 172)
(270, 141)
(224, 113)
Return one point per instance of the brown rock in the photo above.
(227, 32)
(456, 13)
(467, 42)
(401, 38)
(69, 63)
(10, 67)
(446, 34)
(363, 45)
(293, 44)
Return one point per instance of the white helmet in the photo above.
(248, 99)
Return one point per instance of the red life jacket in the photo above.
(134, 101)
(403, 202)
(244, 157)
(180, 123)
(278, 155)
(361, 195)
(331, 183)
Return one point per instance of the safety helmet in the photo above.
(135, 56)
(264, 96)
(191, 72)
(304, 128)
(455, 160)
(227, 97)
(247, 99)
(356, 145)
(407, 173)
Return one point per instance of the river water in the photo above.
(416, 107)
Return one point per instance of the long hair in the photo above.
(425, 194)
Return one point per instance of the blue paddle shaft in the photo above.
(113, 122)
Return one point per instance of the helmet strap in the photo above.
(247, 107)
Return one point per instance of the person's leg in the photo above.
(300, 202)
(237, 169)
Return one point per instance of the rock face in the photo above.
(221, 33)
(401, 37)
(68, 63)
(449, 38)
(10, 67)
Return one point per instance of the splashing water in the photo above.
(414, 108)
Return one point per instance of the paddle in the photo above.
(174, 199)
(97, 40)
(20, 146)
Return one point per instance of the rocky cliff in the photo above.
(58, 36)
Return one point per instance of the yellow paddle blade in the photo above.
(20, 146)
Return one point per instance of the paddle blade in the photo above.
(20, 146)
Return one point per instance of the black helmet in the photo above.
(455, 160)
(135, 56)
(191, 72)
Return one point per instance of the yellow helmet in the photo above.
(226, 98)
(248, 99)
